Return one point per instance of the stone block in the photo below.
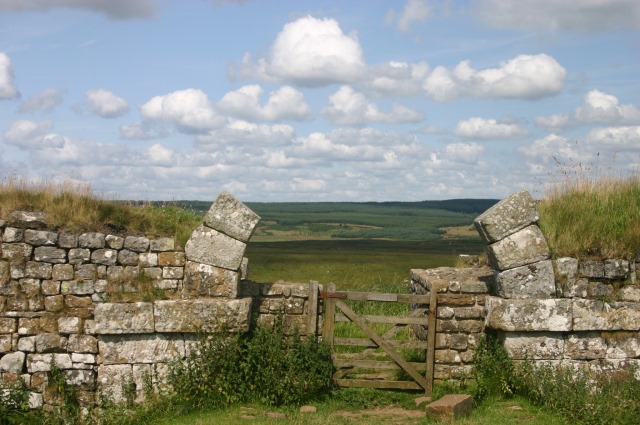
(107, 257)
(450, 407)
(82, 344)
(27, 344)
(62, 272)
(530, 314)
(629, 293)
(28, 219)
(12, 362)
(592, 315)
(77, 287)
(202, 315)
(162, 244)
(208, 246)
(172, 259)
(231, 217)
(585, 346)
(599, 290)
(70, 325)
(50, 343)
(42, 362)
(79, 256)
(112, 379)
(6, 343)
(533, 345)
(513, 213)
(40, 237)
(67, 240)
(591, 269)
(54, 303)
(203, 280)
(574, 287)
(12, 234)
(49, 254)
(38, 270)
(136, 243)
(5, 273)
(93, 240)
(566, 267)
(7, 325)
(535, 280)
(16, 252)
(122, 349)
(128, 258)
(616, 269)
(148, 259)
(172, 272)
(526, 246)
(123, 318)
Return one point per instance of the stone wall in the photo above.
(112, 311)
(580, 313)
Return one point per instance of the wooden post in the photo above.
(329, 316)
(431, 339)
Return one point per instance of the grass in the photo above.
(73, 207)
(592, 217)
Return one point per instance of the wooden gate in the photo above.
(380, 344)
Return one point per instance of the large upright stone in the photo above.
(203, 280)
(231, 217)
(531, 281)
(507, 216)
(527, 246)
(208, 246)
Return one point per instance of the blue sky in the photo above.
(318, 100)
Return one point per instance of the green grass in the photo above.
(584, 217)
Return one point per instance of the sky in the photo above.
(359, 100)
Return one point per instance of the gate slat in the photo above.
(400, 320)
(366, 342)
(367, 383)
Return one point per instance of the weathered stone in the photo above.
(599, 290)
(81, 378)
(533, 345)
(162, 244)
(566, 267)
(79, 256)
(173, 259)
(50, 342)
(472, 280)
(12, 234)
(616, 269)
(244, 269)
(48, 254)
(28, 219)
(54, 303)
(203, 280)
(92, 240)
(629, 293)
(535, 280)
(82, 344)
(62, 272)
(450, 407)
(507, 217)
(128, 258)
(622, 345)
(206, 315)
(5, 273)
(6, 343)
(594, 315)
(172, 272)
(168, 284)
(86, 271)
(292, 324)
(28, 326)
(294, 306)
(70, 325)
(231, 217)
(588, 345)
(123, 318)
(574, 287)
(136, 243)
(40, 237)
(27, 344)
(19, 252)
(526, 246)
(73, 301)
(591, 268)
(38, 270)
(112, 379)
(67, 240)
(77, 287)
(529, 314)
(114, 242)
(119, 349)
(107, 257)
(7, 325)
(18, 270)
(148, 259)
(211, 247)
(12, 362)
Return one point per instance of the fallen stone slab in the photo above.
(507, 216)
(450, 407)
(231, 217)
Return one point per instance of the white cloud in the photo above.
(624, 138)
(106, 104)
(558, 149)
(238, 132)
(524, 77)
(7, 89)
(488, 129)
(397, 78)
(556, 122)
(27, 135)
(114, 9)
(160, 156)
(308, 52)
(603, 108)
(412, 12)
(282, 104)
(188, 109)
(464, 152)
(46, 101)
(584, 16)
(145, 130)
(307, 185)
(349, 107)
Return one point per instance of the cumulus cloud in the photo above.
(7, 89)
(45, 101)
(413, 11)
(308, 52)
(397, 78)
(597, 107)
(349, 107)
(488, 129)
(239, 131)
(525, 77)
(113, 9)
(190, 110)
(144, 130)
(622, 138)
(286, 103)
(467, 153)
(27, 134)
(591, 16)
(106, 104)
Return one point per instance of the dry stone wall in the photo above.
(112, 311)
